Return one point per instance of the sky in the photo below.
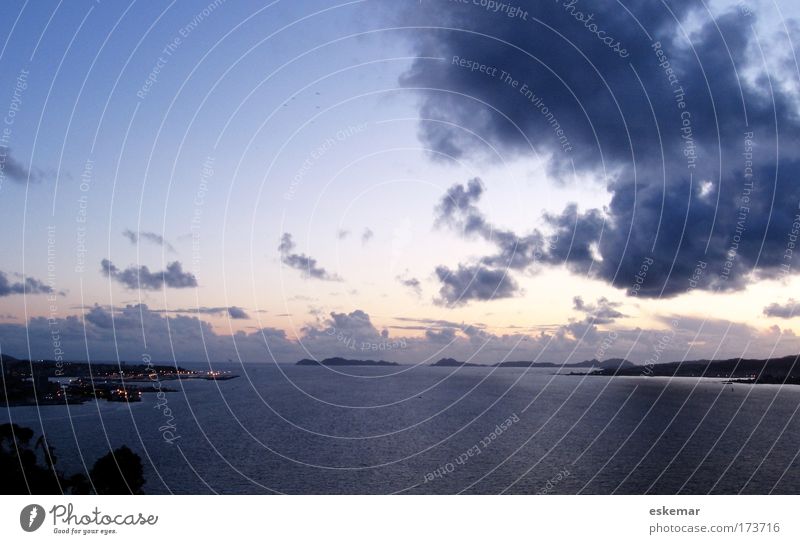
(262, 182)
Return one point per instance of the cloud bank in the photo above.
(135, 329)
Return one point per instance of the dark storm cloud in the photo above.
(302, 262)
(477, 282)
(30, 286)
(141, 278)
(17, 172)
(784, 311)
(688, 151)
(152, 237)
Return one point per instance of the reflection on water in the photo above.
(442, 430)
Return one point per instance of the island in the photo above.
(608, 364)
(453, 362)
(340, 361)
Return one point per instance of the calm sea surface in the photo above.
(290, 429)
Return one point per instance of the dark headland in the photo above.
(781, 370)
(34, 383)
(776, 371)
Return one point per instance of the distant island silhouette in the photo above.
(22, 377)
(594, 363)
(783, 370)
(340, 361)
(454, 362)
(608, 364)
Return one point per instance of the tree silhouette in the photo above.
(118, 473)
(19, 463)
(27, 468)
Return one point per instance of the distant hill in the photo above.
(23, 367)
(758, 370)
(340, 361)
(608, 364)
(453, 362)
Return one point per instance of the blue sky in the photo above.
(208, 131)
